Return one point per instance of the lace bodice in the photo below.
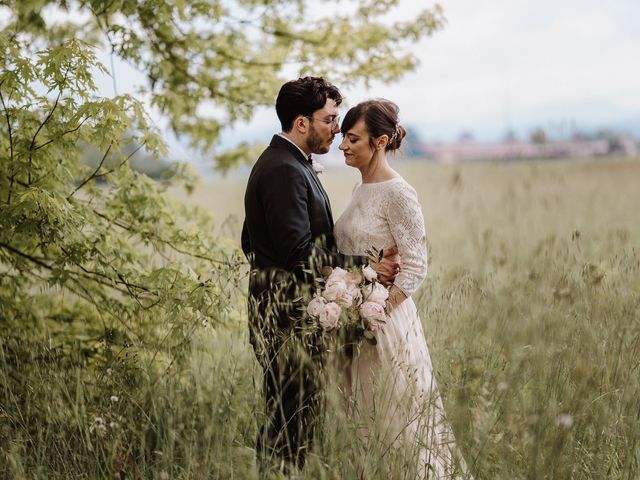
(382, 215)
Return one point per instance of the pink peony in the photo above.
(374, 315)
(316, 306)
(345, 299)
(372, 311)
(330, 316)
(334, 290)
(376, 293)
(337, 274)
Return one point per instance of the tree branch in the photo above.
(22, 184)
(128, 285)
(88, 274)
(123, 162)
(226, 55)
(153, 236)
(6, 113)
(33, 141)
(31, 258)
(75, 129)
(93, 175)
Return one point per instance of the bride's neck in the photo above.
(378, 170)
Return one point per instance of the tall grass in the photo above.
(531, 311)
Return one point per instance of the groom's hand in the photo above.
(387, 268)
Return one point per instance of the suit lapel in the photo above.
(279, 142)
(314, 175)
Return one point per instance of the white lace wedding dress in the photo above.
(390, 387)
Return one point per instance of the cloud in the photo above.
(507, 62)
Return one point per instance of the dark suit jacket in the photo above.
(288, 223)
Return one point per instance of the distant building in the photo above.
(467, 151)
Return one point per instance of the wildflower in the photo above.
(98, 426)
(564, 421)
(114, 398)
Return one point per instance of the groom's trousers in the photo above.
(291, 364)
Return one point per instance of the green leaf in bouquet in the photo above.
(370, 337)
(326, 271)
(373, 252)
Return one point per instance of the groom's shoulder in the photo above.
(276, 158)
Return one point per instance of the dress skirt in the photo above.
(391, 395)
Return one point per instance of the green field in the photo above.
(532, 314)
(477, 211)
(531, 308)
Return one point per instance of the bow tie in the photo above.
(309, 159)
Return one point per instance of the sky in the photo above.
(516, 64)
(500, 65)
(497, 65)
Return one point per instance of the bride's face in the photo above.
(356, 146)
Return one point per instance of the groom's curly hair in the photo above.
(303, 97)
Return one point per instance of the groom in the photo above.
(287, 237)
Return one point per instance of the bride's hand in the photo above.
(396, 297)
(386, 268)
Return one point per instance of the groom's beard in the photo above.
(316, 144)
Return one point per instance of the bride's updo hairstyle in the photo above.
(381, 118)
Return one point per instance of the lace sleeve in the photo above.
(406, 223)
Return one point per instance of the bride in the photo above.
(390, 387)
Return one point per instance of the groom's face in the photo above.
(323, 127)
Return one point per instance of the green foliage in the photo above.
(101, 270)
(92, 275)
(122, 256)
(211, 63)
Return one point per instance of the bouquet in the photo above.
(351, 300)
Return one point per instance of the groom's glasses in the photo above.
(333, 121)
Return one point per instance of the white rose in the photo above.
(317, 167)
(374, 315)
(316, 306)
(377, 293)
(369, 273)
(330, 316)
